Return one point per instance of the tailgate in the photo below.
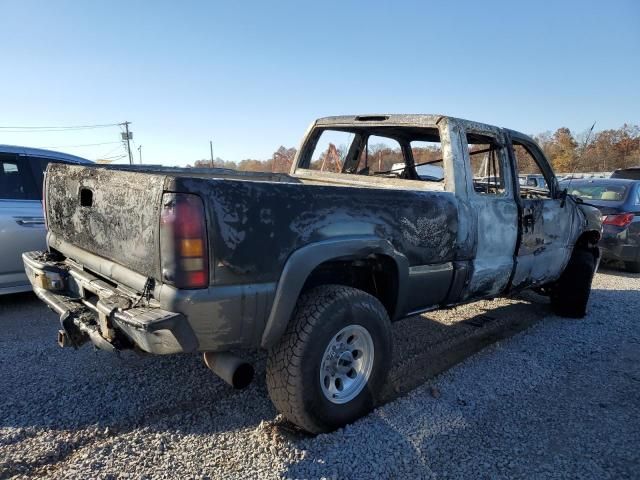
(112, 213)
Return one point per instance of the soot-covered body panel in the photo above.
(111, 213)
(256, 226)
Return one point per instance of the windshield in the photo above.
(606, 193)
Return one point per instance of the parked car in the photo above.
(312, 266)
(619, 200)
(532, 180)
(425, 172)
(21, 220)
(632, 173)
(584, 175)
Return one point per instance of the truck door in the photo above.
(546, 221)
(490, 188)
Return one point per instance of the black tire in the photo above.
(633, 267)
(570, 294)
(293, 365)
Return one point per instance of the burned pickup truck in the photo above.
(314, 265)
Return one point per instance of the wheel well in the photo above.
(376, 275)
(588, 239)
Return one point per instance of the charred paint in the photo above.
(121, 221)
(257, 225)
(478, 245)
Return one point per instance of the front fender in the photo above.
(303, 261)
(593, 218)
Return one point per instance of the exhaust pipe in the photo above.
(233, 370)
(63, 339)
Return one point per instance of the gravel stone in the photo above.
(558, 400)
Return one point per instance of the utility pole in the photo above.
(211, 148)
(140, 153)
(128, 138)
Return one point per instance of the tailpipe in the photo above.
(233, 370)
(63, 339)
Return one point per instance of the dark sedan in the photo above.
(619, 201)
(631, 172)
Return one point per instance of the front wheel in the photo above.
(570, 294)
(333, 359)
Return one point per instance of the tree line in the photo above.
(280, 161)
(587, 151)
(602, 151)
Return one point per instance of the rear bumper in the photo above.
(92, 310)
(618, 244)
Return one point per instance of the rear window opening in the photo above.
(382, 152)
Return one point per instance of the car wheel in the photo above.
(333, 359)
(570, 294)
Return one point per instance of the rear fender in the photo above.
(303, 261)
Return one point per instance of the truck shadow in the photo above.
(49, 387)
(617, 270)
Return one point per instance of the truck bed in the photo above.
(115, 213)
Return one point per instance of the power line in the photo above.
(127, 136)
(83, 145)
(111, 159)
(17, 129)
(110, 152)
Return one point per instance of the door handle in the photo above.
(528, 220)
(29, 221)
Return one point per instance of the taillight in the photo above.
(620, 220)
(184, 255)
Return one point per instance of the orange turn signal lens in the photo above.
(191, 247)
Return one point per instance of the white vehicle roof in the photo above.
(40, 152)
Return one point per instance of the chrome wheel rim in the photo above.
(346, 364)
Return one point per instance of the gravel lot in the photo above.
(559, 400)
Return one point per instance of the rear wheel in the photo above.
(328, 367)
(570, 294)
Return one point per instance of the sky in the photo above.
(251, 76)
